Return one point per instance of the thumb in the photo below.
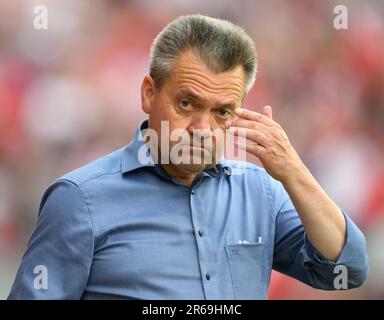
(267, 111)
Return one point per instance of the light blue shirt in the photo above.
(116, 228)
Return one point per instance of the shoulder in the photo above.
(68, 190)
(107, 165)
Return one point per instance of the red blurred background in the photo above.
(70, 94)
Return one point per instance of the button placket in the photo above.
(203, 244)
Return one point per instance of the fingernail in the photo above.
(227, 124)
(238, 111)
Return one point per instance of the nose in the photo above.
(200, 126)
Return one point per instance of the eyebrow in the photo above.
(191, 95)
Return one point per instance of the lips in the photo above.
(199, 147)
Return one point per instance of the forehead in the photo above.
(190, 73)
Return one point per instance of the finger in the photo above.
(249, 124)
(267, 111)
(252, 115)
(253, 148)
(255, 136)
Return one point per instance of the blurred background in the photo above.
(70, 94)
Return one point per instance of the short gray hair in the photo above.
(221, 44)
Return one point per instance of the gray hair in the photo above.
(221, 44)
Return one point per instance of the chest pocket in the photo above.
(246, 266)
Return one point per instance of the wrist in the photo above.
(299, 174)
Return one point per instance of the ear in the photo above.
(147, 94)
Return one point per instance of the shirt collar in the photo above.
(130, 159)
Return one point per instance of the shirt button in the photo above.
(200, 233)
(193, 192)
(207, 276)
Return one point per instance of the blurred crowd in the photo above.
(70, 94)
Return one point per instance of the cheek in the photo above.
(219, 138)
(220, 123)
(217, 125)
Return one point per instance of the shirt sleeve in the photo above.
(295, 256)
(57, 262)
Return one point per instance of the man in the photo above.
(172, 228)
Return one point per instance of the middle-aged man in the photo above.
(169, 228)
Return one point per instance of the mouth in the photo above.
(201, 148)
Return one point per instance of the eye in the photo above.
(185, 104)
(224, 113)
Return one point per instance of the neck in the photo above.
(186, 178)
